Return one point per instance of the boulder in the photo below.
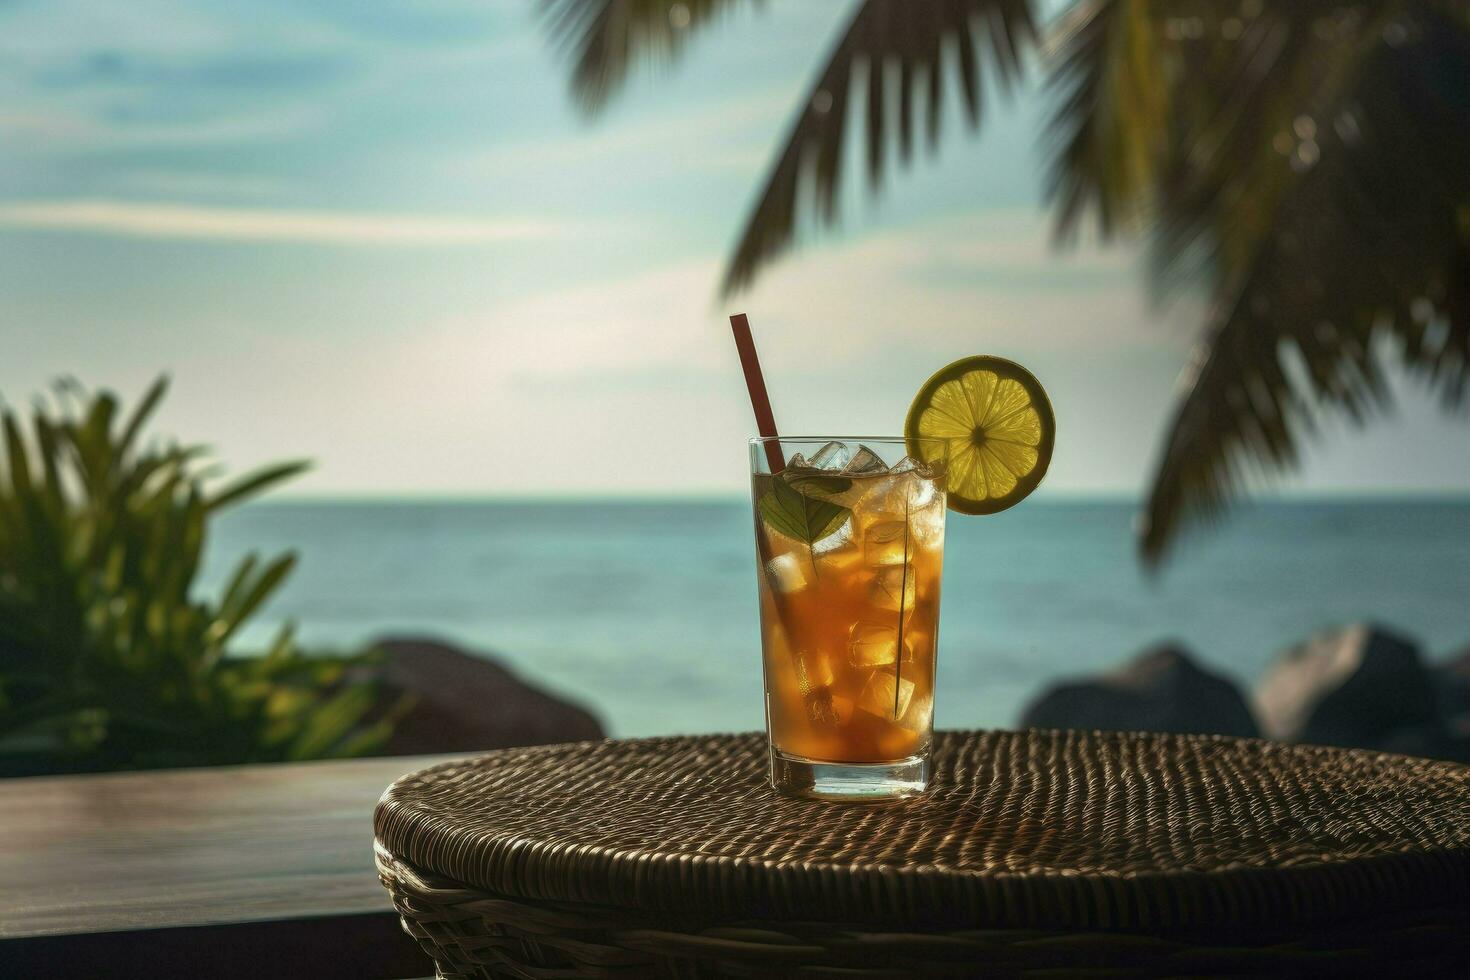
(1458, 665)
(1452, 685)
(1160, 690)
(1429, 741)
(466, 703)
(1356, 685)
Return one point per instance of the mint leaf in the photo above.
(799, 516)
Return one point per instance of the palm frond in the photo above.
(1113, 74)
(606, 37)
(897, 49)
(1164, 99)
(1370, 239)
(1245, 128)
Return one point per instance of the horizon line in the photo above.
(1389, 495)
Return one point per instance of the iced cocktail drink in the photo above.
(850, 550)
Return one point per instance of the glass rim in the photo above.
(765, 440)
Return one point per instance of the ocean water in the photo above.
(645, 610)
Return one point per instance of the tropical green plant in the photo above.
(1307, 164)
(108, 659)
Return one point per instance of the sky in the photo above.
(380, 234)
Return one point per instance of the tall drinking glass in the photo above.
(850, 550)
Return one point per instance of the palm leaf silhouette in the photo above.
(1307, 163)
(894, 47)
(1370, 239)
(1110, 82)
(606, 37)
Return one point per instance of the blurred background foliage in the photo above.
(108, 659)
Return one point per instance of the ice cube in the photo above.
(875, 645)
(908, 490)
(813, 672)
(878, 695)
(918, 491)
(788, 574)
(865, 462)
(890, 498)
(893, 587)
(882, 512)
(835, 542)
(832, 456)
(926, 527)
(921, 640)
(908, 464)
(918, 716)
(884, 543)
(825, 709)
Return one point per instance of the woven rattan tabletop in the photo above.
(1020, 830)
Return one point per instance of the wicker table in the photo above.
(1034, 852)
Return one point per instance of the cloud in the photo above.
(923, 290)
(60, 131)
(178, 221)
(196, 184)
(983, 276)
(1011, 239)
(24, 126)
(727, 136)
(650, 321)
(113, 69)
(594, 379)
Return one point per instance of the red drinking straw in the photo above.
(765, 422)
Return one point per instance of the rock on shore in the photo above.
(1357, 685)
(1362, 685)
(466, 703)
(1160, 690)
(1452, 685)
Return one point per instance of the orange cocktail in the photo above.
(851, 551)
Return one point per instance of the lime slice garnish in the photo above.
(988, 422)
